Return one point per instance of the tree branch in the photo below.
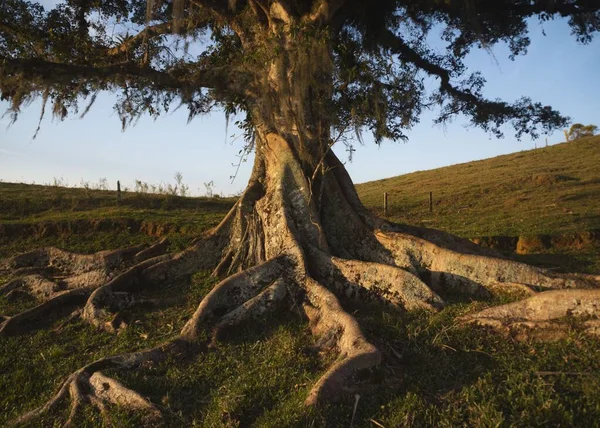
(399, 47)
(154, 30)
(524, 114)
(56, 73)
(22, 36)
(219, 7)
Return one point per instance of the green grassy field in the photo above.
(542, 191)
(434, 372)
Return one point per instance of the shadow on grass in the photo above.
(433, 372)
(584, 261)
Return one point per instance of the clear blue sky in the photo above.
(556, 71)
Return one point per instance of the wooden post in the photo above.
(385, 204)
(430, 202)
(118, 192)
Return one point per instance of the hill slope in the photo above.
(547, 190)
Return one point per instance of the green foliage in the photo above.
(578, 130)
(355, 65)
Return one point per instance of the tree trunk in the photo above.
(298, 237)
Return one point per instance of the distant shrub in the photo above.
(209, 188)
(578, 131)
(59, 182)
(141, 186)
(183, 188)
(179, 189)
(102, 184)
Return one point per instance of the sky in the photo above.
(556, 71)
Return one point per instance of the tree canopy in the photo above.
(201, 54)
(579, 130)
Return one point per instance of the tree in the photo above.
(305, 74)
(578, 130)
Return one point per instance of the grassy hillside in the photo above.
(542, 191)
(434, 372)
(87, 220)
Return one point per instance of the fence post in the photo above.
(430, 202)
(385, 204)
(118, 192)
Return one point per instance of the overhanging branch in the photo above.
(399, 47)
(133, 41)
(52, 73)
(57, 73)
(524, 114)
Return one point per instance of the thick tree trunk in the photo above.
(300, 238)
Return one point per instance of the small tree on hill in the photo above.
(579, 131)
(304, 73)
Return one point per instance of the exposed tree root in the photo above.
(298, 238)
(112, 297)
(267, 301)
(27, 319)
(233, 292)
(91, 279)
(89, 386)
(538, 316)
(357, 280)
(121, 293)
(69, 262)
(474, 274)
(340, 331)
(71, 279)
(97, 390)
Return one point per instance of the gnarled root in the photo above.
(450, 271)
(233, 292)
(97, 390)
(66, 261)
(340, 331)
(105, 303)
(89, 386)
(358, 280)
(110, 298)
(540, 316)
(267, 301)
(26, 319)
(60, 279)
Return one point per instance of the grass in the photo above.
(543, 191)
(48, 215)
(434, 372)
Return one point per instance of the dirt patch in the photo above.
(532, 244)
